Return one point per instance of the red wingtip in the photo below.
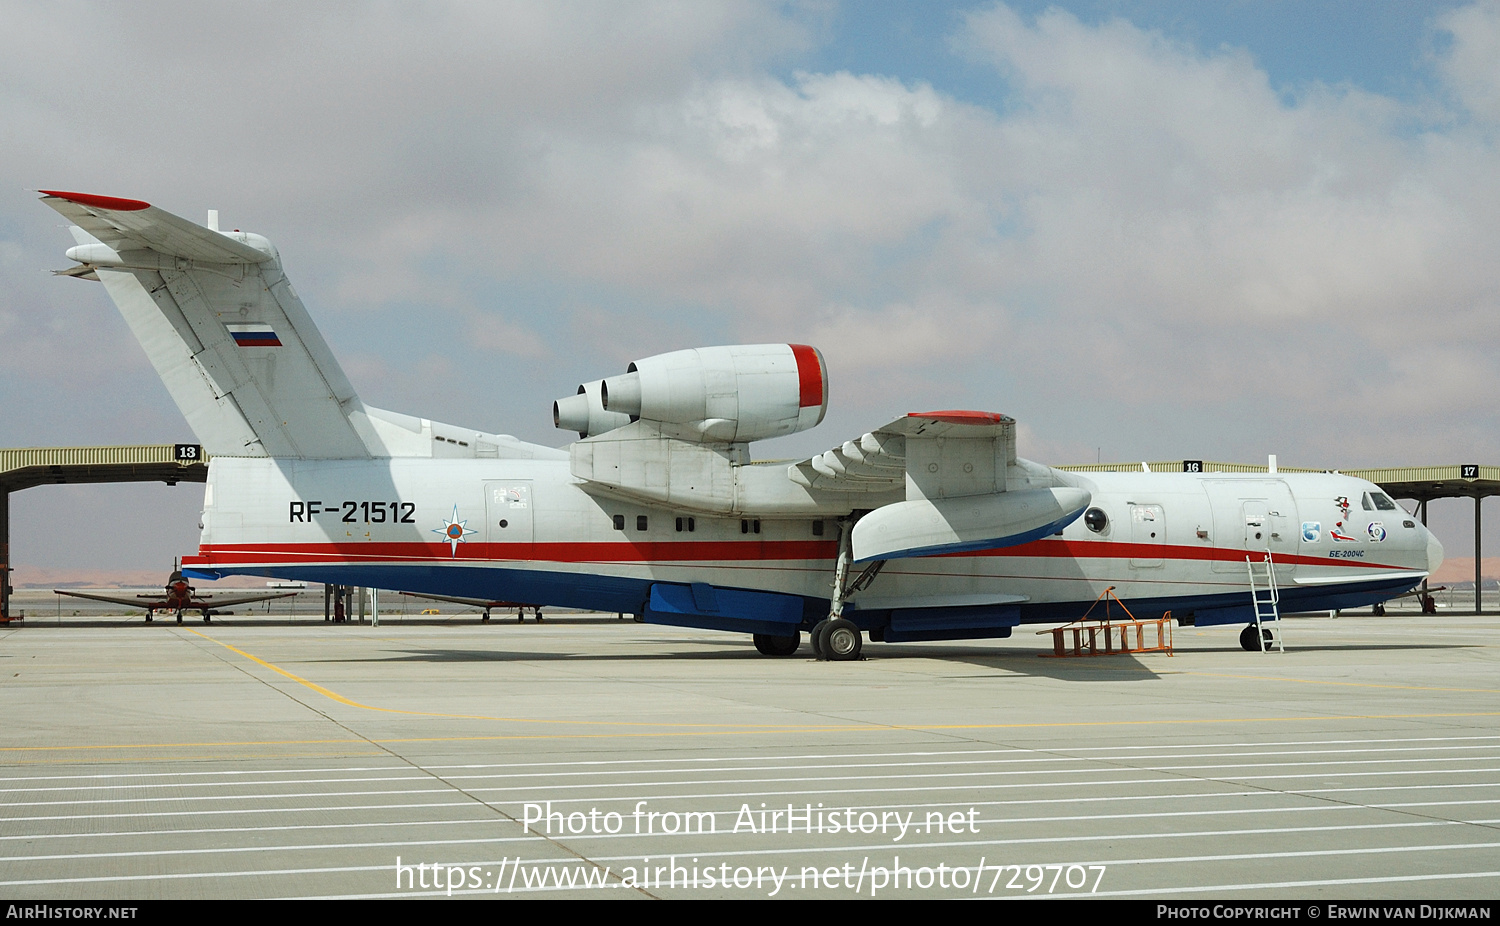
(959, 416)
(100, 202)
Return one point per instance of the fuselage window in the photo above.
(619, 522)
(640, 522)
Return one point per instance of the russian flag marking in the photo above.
(254, 335)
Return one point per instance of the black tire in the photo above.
(768, 645)
(179, 617)
(205, 619)
(1248, 642)
(816, 638)
(842, 641)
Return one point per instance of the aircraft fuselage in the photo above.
(527, 530)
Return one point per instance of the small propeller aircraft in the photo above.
(179, 597)
(926, 528)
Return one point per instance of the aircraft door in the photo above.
(1255, 517)
(1257, 537)
(1285, 532)
(508, 518)
(1148, 534)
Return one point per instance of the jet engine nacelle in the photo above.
(736, 394)
(585, 412)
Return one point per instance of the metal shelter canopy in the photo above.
(27, 467)
(1422, 484)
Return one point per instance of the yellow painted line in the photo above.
(335, 696)
(698, 729)
(1314, 681)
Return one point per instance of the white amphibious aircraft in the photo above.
(928, 528)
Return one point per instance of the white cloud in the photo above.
(1144, 230)
(1469, 63)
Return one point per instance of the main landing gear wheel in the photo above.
(842, 641)
(768, 645)
(179, 617)
(816, 638)
(205, 617)
(1248, 642)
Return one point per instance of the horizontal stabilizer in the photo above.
(224, 329)
(131, 225)
(935, 526)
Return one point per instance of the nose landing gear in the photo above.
(1251, 644)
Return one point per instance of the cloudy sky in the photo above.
(1146, 230)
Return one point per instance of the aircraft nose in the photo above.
(1434, 553)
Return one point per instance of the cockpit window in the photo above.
(1366, 504)
(1383, 502)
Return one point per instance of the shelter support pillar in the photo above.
(4, 554)
(1478, 561)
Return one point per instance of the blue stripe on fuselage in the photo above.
(605, 593)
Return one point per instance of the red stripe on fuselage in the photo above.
(705, 551)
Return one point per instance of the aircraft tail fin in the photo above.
(224, 329)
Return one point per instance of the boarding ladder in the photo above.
(1265, 598)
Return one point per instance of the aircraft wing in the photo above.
(472, 602)
(214, 603)
(878, 461)
(159, 603)
(954, 467)
(139, 601)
